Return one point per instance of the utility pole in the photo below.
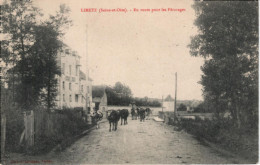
(175, 101)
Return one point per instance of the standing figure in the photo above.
(137, 113)
(96, 116)
(133, 113)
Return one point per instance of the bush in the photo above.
(222, 132)
(14, 128)
(182, 107)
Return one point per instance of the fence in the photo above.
(41, 126)
(169, 116)
(47, 124)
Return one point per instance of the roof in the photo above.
(169, 98)
(82, 75)
(98, 91)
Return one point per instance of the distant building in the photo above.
(99, 98)
(74, 86)
(168, 104)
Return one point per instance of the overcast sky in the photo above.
(141, 49)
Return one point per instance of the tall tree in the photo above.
(44, 56)
(31, 49)
(19, 18)
(228, 40)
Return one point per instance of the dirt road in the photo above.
(137, 143)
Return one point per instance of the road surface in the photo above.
(138, 142)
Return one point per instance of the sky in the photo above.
(143, 50)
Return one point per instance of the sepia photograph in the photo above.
(129, 82)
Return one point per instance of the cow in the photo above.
(96, 117)
(124, 114)
(113, 118)
(142, 114)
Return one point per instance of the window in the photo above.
(82, 88)
(70, 69)
(76, 98)
(88, 89)
(63, 97)
(76, 70)
(63, 85)
(70, 98)
(70, 86)
(82, 99)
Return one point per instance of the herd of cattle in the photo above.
(116, 115)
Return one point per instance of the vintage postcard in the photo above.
(129, 82)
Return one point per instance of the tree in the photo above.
(44, 54)
(112, 98)
(122, 89)
(32, 50)
(182, 107)
(18, 20)
(200, 108)
(228, 40)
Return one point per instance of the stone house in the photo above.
(74, 86)
(99, 98)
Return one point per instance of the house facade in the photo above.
(99, 98)
(168, 104)
(74, 86)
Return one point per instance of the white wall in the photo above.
(72, 78)
(168, 106)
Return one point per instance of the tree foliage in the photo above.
(121, 94)
(182, 107)
(228, 40)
